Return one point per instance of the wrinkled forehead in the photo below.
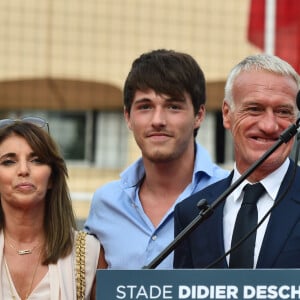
(262, 81)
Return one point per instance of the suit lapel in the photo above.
(215, 221)
(281, 221)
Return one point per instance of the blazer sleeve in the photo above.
(182, 254)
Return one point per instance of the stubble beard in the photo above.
(158, 156)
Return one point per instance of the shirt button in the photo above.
(154, 237)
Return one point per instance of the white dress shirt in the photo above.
(233, 202)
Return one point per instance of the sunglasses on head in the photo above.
(32, 120)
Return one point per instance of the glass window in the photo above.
(69, 131)
(111, 140)
(98, 138)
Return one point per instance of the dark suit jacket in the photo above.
(281, 243)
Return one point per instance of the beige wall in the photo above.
(97, 40)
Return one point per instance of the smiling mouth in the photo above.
(158, 134)
(159, 137)
(264, 140)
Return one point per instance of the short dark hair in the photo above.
(166, 72)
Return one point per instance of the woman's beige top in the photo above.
(59, 282)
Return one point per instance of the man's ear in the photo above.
(200, 116)
(127, 118)
(226, 114)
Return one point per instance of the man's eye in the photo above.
(254, 108)
(174, 107)
(144, 107)
(285, 112)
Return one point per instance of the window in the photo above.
(111, 140)
(98, 138)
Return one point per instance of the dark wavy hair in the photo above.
(59, 219)
(166, 72)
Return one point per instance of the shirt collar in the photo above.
(271, 183)
(133, 175)
(203, 162)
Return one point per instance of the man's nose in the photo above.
(159, 117)
(269, 122)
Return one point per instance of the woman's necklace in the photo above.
(32, 280)
(21, 251)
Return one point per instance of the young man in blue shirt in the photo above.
(164, 106)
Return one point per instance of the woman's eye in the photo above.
(37, 160)
(7, 162)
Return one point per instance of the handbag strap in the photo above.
(80, 265)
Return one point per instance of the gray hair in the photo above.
(265, 62)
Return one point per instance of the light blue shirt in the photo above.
(116, 216)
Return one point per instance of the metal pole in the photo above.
(270, 26)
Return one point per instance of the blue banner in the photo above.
(198, 284)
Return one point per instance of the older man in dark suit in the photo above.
(259, 104)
